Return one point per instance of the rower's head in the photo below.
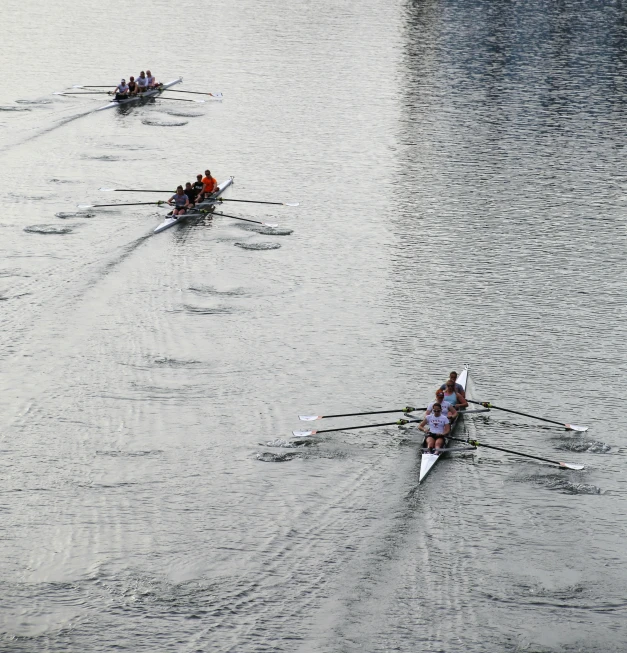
(439, 394)
(199, 177)
(142, 74)
(208, 173)
(148, 73)
(123, 81)
(436, 408)
(188, 185)
(450, 385)
(453, 376)
(179, 190)
(132, 79)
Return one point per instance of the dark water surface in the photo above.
(460, 172)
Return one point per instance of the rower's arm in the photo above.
(447, 429)
(421, 426)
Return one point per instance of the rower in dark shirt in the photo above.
(191, 193)
(132, 86)
(198, 185)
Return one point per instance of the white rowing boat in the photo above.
(141, 97)
(201, 209)
(428, 460)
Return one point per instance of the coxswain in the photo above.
(152, 82)
(455, 398)
(210, 185)
(438, 428)
(180, 201)
(191, 193)
(142, 82)
(121, 90)
(132, 86)
(458, 386)
(447, 409)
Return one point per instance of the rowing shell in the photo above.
(141, 97)
(428, 460)
(206, 206)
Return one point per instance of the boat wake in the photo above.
(258, 246)
(48, 229)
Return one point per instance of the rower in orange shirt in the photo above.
(209, 187)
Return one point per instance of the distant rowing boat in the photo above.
(141, 97)
(428, 460)
(201, 209)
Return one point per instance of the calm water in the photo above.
(460, 172)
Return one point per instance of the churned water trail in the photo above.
(459, 169)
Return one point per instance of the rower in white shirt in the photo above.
(447, 409)
(121, 90)
(142, 82)
(152, 82)
(436, 426)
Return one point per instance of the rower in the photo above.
(121, 90)
(191, 193)
(142, 82)
(180, 202)
(152, 82)
(198, 185)
(458, 386)
(132, 86)
(210, 186)
(456, 399)
(438, 428)
(447, 409)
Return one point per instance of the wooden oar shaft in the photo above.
(406, 409)
(172, 90)
(399, 422)
(97, 206)
(516, 412)
(251, 201)
(235, 217)
(474, 443)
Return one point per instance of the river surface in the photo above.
(460, 169)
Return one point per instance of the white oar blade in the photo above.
(309, 418)
(107, 190)
(85, 206)
(269, 224)
(78, 86)
(200, 101)
(303, 434)
(292, 203)
(574, 427)
(216, 94)
(569, 466)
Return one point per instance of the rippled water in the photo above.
(459, 169)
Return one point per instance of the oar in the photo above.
(134, 190)
(265, 224)
(92, 86)
(259, 202)
(216, 94)
(568, 427)
(81, 93)
(311, 418)
(474, 443)
(178, 99)
(304, 434)
(138, 190)
(98, 206)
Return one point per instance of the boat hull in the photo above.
(142, 97)
(206, 206)
(429, 460)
